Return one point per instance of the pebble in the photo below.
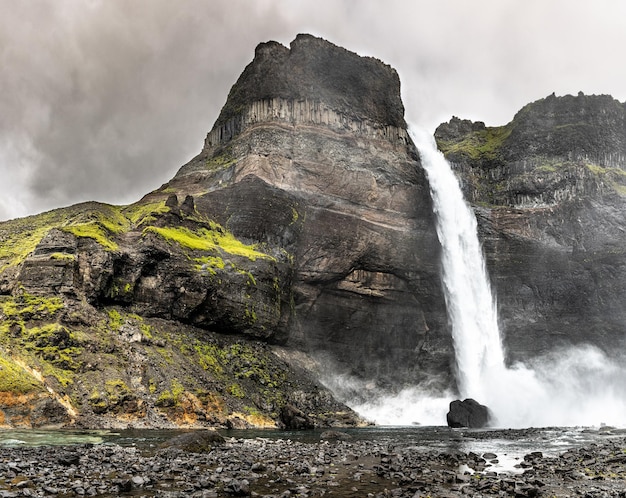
(282, 468)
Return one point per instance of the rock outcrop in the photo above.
(311, 158)
(305, 221)
(549, 191)
(467, 413)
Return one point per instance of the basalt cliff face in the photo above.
(301, 236)
(549, 191)
(311, 157)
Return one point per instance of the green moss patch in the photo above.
(29, 327)
(14, 379)
(96, 221)
(215, 239)
(100, 225)
(29, 307)
(19, 237)
(614, 177)
(140, 214)
(482, 144)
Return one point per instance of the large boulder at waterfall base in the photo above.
(467, 413)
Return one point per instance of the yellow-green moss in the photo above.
(116, 390)
(210, 358)
(139, 214)
(210, 264)
(115, 320)
(236, 390)
(100, 225)
(15, 379)
(27, 306)
(95, 231)
(214, 239)
(221, 161)
(481, 144)
(62, 256)
(172, 396)
(56, 346)
(100, 222)
(48, 346)
(294, 215)
(614, 177)
(19, 237)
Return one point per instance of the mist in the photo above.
(105, 100)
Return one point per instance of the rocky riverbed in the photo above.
(336, 465)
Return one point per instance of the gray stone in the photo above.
(468, 413)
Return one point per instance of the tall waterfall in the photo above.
(575, 386)
(471, 307)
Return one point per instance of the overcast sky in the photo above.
(105, 99)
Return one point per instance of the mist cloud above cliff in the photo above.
(105, 100)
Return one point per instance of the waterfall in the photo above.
(574, 386)
(471, 307)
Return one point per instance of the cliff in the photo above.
(549, 190)
(301, 235)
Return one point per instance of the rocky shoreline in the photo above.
(336, 465)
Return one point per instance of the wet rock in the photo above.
(295, 419)
(195, 442)
(467, 413)
(335, 435)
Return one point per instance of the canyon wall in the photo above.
(549, 191)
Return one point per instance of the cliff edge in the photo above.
(549, 190)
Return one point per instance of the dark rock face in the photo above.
(316, 70)
(548, 190)
(294, 419)
(467, 413)
(305, 221)
(317, 164)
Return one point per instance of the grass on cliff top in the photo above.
(214, 239)
(482, 144)
(101, 225)
(100, 222)
(139, 214)
(19, 237)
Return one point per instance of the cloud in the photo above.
(106, 99)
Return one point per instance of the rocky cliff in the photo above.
(549, 190)
(301, 235)
(299, 243)
(318, 166)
